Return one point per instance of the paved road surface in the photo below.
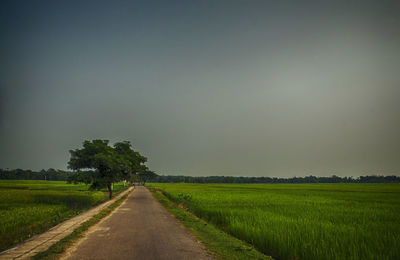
(139, 229)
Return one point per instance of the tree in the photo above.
(146, 175)
(136, 160)
(105, 165)
(133, 178)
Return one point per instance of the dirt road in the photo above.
(139, 229)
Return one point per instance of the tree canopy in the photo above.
(103, 165)
(146, 175)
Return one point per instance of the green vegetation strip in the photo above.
(56, 250)
(218, 243)
(300, 221)
(31, 207)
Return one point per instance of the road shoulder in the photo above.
(218, 243)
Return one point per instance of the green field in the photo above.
(31, 207)
(301, 221)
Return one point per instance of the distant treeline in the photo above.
(49, 174)
(307, 179)
(60, 175)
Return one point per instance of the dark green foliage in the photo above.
(146, 175)
(104, 164)
(306, 179)
(49, 175)
(135, 159)
(83, 176)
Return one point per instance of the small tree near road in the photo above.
(103, 165)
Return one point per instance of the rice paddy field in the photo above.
(301, 221)
(31, 207)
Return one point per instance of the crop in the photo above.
(301, 221)
(31, 207)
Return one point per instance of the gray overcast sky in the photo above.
(250, 88)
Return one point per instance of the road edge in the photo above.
(217, 243)
(58, 249)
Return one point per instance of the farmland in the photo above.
(31, 207)
(301, 221)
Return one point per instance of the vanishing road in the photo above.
(139, 229)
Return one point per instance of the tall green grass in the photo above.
(301, 221)
(31, 207)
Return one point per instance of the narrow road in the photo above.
(139, 229)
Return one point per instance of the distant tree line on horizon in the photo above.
(61, 175)
(306, 179)
(49, 174)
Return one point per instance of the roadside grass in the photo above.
(31, 207)
(56, 250)
(218, 243)
(300, 221)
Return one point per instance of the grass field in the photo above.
(301, 221)
(31, 207)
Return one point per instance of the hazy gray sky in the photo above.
(251, 88)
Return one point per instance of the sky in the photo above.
(238, 88)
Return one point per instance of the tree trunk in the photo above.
(109, 186)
